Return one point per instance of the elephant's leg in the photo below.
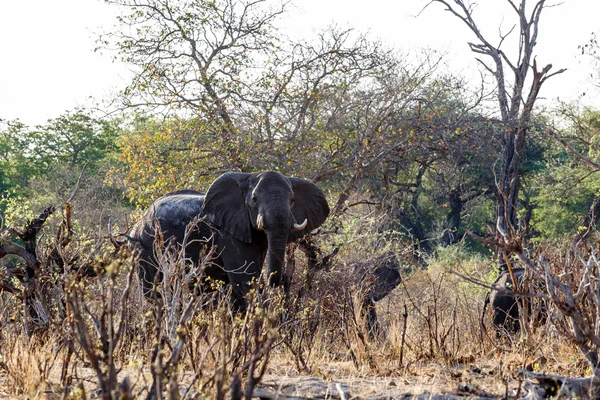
(506, 313)
(513, 317)
(243, 264)
(371, 317)
(148, 273)
(499, 319)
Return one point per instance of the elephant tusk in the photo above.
(301, 226)
(259, 222)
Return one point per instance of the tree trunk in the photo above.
(453, 218)
(508, 189)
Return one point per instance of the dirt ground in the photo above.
(337, 382)
(430, 379)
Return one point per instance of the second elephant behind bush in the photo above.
(375, 279)
(504, 304)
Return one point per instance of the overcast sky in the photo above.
(47, 63)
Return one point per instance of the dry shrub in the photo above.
(432, 315)
(98, 316)
(27, 365)
(310, 330)
(326, 322)
(572, 293)
(184, 329)
(195, 328)
(96, 323)
(229, 353)
(435, 314)
(190, 342)
(10, 314)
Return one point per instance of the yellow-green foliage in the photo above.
(159, 157)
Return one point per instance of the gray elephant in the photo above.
(376, 279)
(245, 216)
(505, 309)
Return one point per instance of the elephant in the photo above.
(376, 279)
(505, 310)
(244, 216)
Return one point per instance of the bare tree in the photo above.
(225, 63)
(194, 56)
(518, 81)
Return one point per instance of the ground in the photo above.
(331, 380)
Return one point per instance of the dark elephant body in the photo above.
(171, 214)
(376, 279)
(505, 306)
(505, 310)
(245, 217)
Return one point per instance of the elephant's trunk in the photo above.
(277, 243)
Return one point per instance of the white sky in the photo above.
(47, 63)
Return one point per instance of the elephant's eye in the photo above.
(292, 202)
(253, 200)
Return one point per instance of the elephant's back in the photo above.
(504, 280)
(178, 207)
(174, 211)
(184, 192)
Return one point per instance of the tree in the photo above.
(16, 169)
(41, 165)
(440, 167)
(339, 109)
(518, 81)
(197, 56)
(156, 157)
(257, 96)
(581, 140)
(74, 139)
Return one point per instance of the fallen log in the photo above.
(560, 387)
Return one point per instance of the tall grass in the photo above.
(104, 338)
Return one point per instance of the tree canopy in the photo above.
(218, 87)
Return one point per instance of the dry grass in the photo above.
(104, 339)
(28, 366)
(435, 347)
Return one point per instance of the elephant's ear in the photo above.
(225, 208)
(310, 204)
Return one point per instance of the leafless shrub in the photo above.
(440, 321)
(97, 318)
(188, 342)
(94, 318)
(572, 283)
(308, 329)
(325, 316)
(232, 356)
(24, 276)
(41, 263)
(180, 287)
(571, 292)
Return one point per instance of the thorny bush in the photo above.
(101, 336)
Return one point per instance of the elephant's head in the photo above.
(285, 208)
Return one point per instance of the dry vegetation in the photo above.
(417, 166)
(86, 331)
